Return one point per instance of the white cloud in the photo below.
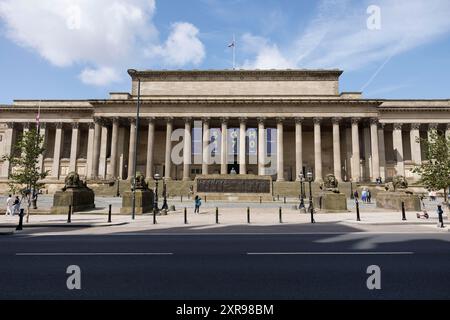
(182, 46)
(104, 37)
(338, 37)
(99, 77)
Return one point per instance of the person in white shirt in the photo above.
(9, 203)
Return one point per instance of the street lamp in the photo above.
(165, 206)
(311, 205)
(302, 194)
(157, 177)
(133, 74)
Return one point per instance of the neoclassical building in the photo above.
(271, 122)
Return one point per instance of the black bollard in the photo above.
(20, 226)
(284, 199)
(185, 216)
(205, 197)
(260, 199)
(69, 216)
(217, 215)
(403, 212)
(357, 211)
(154, 216)
(280, 213)
(312, 214)
(248, 214)
(109, 213)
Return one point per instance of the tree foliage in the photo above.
(24, 159)
(435, 172)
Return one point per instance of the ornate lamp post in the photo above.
(302, 194)
(157, 177)
(165, 206)
(311, 205)
(351, 190)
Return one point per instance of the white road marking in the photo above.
(93, 254)
(329, 253)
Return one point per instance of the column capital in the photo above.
(91, 125)
(132, 120)
(398, 126)
(261, 120)
(43, 125)
(10, 125)
(280, 120)
(355, 120)
(206, 119)
(432, 126)
(115, 120)
(336, 120)
(299, 120)
(415, 126)
(381, 125)
(224, 120)
(187, 120)
(169, 119)
(373, 121)
(448, 126)
(75, 125)
(243, 120)
(58, 125)
(317, 120)
(26, 125)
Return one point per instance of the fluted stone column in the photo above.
(132, 148)
(114, 147)
(280, 150)
(96, 151)
(168, 160)
(382, 151)
(337, 149)
(317, 150)
(102, 166)
(150, 148)
(43, 134)
(205, 146)
(224, 148)
(414, 138)
(397, 143)
(261, 147)
(375, 149)
(187, 150)
(57, 150)
(242, 146)
(74, 147)
(90, 151)
(9, 136)
(298, 148)
(356, 157)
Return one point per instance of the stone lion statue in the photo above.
(141, 184)
(398, 183)
(330, 184)
(73, 181)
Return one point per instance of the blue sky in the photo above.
(79, 49)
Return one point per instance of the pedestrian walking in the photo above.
(440, 212)
(198, 203)
(9, 203)
(369, 196)
(364, 195)
(356, 194)
(16, 206)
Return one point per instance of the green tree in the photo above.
(24, 158)
(435, 172)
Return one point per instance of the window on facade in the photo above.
(271, 141)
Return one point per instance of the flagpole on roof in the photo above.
(234, 52)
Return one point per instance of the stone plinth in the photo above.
(394, 199)
(331, 202)
(79, 198)
(234, 187)
(144, 202)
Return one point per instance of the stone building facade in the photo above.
(272, 122)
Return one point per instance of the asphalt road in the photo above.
(227, 266)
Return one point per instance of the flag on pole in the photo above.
(233, 45)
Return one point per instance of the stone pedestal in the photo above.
(331, 202)
(144, 202)
(393, 200)
(79, 198)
